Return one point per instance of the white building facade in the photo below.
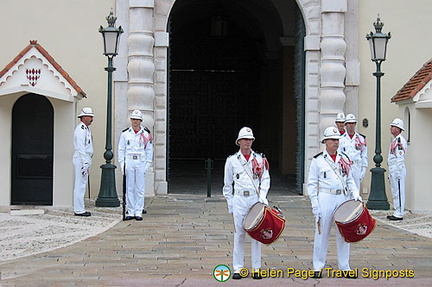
(332, 73)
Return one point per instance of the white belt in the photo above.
(331, 191)
(245, 192)
(134, 155)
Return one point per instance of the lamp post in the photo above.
(378, 45)
(107, 194)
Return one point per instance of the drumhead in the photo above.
(348, 211)
(254, 216)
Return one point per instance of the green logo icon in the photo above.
(221, 273)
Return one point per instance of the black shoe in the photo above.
(392, 217)
(256, 275)
(138, 218)
(236, 276)
(129, 217)
(144, 211)
(351, 274)
(83, 214)
(317, 274)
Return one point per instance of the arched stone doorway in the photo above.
(232, 65)
(32, 151)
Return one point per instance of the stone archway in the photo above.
(331, 77)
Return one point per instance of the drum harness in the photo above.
(249, 173)
(335, 168)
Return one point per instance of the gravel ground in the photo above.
(23, 235)
(417, 222)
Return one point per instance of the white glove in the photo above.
(263, 200)
(358, 198)
(122, 169)
(230, 209)
(85, 169)
(147, 166)
(316, 210)
(362, 173)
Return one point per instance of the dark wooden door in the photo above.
(214, 92)
(32, 151)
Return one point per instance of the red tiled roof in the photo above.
(34, 43)
(415, 84)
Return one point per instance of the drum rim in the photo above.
(353, 219)
(260, 218)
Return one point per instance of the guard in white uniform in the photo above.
(330, 184)
(135, 154)
(340, 123)
(248, 171)
(397, 170)
(82, 159)
(354, 145)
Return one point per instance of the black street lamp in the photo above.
(378, 45)
(107, 194)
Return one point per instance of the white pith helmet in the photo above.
(350, 118)
(86, 112)
(397, 122)
(245, 133)
(340, 118)
(331, 133)
(136, 114)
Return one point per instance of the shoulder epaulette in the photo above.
(259, 153)
(146, 129)
(125, 130)
(362, 135)
(317, 155)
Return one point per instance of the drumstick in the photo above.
(354, 211)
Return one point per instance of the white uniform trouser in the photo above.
(328, 204)
(80, 185)
(356, 170)
(135, 186)
(398, 194)
(241, 206)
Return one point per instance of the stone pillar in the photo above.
(332, 70)
(141, 68)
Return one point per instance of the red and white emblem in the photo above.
(33, 76)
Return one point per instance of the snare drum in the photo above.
(263, 223)
(354, 221)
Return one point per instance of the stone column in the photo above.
(332, 70)
(141, 68)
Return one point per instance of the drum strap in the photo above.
(335, 169)
(249, 173)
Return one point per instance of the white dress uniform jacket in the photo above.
(329, 185)
(135, 154)
(397, 170)
(82, 159)
(356, 150)
(240, 200)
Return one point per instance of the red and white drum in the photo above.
(354, 221)
(263, 223)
